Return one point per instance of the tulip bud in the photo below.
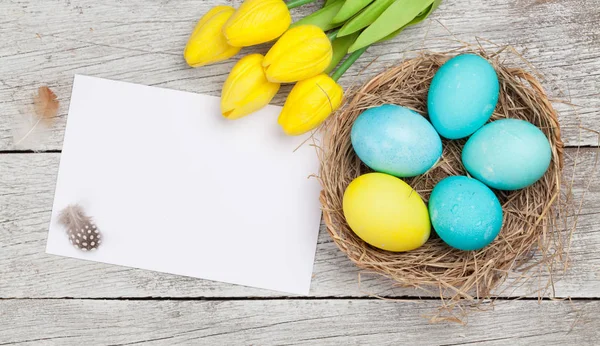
(207, 44)
(246, 89)
(302, 52)
(257, 21)
(309, 103)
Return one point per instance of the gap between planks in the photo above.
(307, 298)
(58, 151)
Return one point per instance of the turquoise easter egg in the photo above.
(462, 96)
(507, 154)
(395, 140)
(465, 213)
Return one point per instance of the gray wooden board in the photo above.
(27, 190)
(291, 322)
(141, 41)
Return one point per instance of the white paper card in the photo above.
(176, 188)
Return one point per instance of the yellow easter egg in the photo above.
(386, 212)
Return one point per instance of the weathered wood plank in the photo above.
(26, 193)
(46, 42)
(291, 322)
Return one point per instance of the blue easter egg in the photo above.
(462, 96)
(507, 154)
(465, 213)
(395, 140)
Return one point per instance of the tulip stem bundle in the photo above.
(332, 35)
(305, 52)
(297, 3)
(347, 63)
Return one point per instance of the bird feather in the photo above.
(33, 123)
(81, 229)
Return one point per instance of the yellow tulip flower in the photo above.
(246, 89)
(302, 52)
(257, 21)
(309, 103)
(207, 44)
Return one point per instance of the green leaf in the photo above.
(366, 17)
(340, 48)
(328, 2)
(417, 20)
(397, 16)
(392, 35)
(349, 9)
(323, 17)
(421, 17)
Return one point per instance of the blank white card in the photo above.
(176, 188)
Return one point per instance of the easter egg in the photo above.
(386, 212)
(395, 140)
(507, 154)
(462, 96)
(465, 213)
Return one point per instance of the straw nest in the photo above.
(529, 226)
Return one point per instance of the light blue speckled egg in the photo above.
(462, 96)
(395, 140)
(465, 213)
(507, 154)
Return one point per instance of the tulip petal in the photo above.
(207, 44)
(257, 21)
(302, 52)
(246, 89)
(309, 103)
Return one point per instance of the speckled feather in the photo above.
(82, 231)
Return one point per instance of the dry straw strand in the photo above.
(530, 222)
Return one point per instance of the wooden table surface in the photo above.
(47, 299)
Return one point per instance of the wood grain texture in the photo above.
(141, 41)
(291, 322)
(26, 194)
(46, 42)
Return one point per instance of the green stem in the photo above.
(297, 3)
(347, 63)
(332, 34)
